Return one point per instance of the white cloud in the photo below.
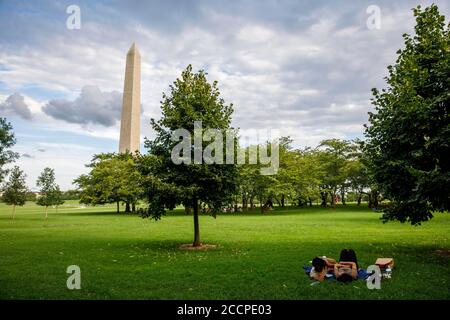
(15, 105)
(91, 107)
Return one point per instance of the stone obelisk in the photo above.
(130, 126)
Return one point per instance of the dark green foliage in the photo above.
(46, 185)
(50, 194)
(334, 168)
(30, 196)
(71, 195)
(113, 178)
(15, 190)
(409, 134)
(336, 158)
(57, 196)
(191, 99)
(7, 140)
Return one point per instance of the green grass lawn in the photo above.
(258, 256)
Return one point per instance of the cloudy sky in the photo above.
(303, 67)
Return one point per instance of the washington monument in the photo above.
(130, 126)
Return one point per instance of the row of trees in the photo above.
(14, 190)
(16, 193)
(331, 171)
(113, 178)
(326, 173)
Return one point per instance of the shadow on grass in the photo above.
(100, 213)
(277, 211)
(285, 211)
(292, 254)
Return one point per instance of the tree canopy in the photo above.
(50, 194)
(7, 140)
(15, 189)
(113, 178)
(408, 135)
(191, 99)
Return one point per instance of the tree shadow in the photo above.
(99, 213)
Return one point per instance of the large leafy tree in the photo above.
(191, 98)
(113, 178)
(15, 190)
(408, 135)
(7, 140)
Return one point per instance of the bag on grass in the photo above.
(385, 263)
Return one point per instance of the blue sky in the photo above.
(303, 67)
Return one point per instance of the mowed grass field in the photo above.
(258, 256)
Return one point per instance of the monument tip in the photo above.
(133, 48)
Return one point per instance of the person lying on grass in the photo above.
(321, 265)
(347, 268)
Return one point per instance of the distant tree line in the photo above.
(14, 189)
(113, 178)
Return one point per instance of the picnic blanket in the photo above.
(362, 273)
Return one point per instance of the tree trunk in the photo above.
(133, 207)
(14, 211)
(282, 200)
(127, 207)
(333, 199)
(244, 202)
(343, 196)
(187, 210)
(359, 199)
(375, 199)
(118, 208)
(324, 199)
(310, 201)
(196, 225)
(278, 201)
(252, 205)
